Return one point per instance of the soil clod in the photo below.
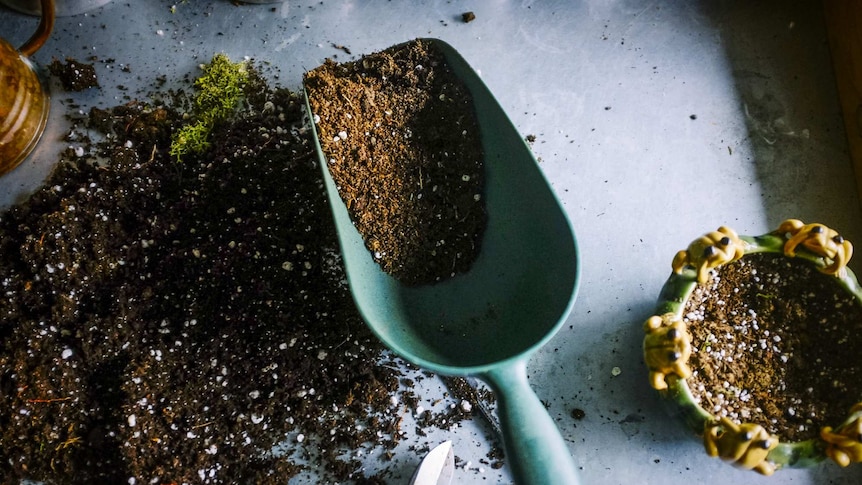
(74, 75)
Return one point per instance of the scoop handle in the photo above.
(535, 450)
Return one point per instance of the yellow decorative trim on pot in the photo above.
(843, 444)
(667, 347)
(710, 251)
(746, 445)
(821, 241)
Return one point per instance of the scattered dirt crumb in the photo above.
(74, 75)
(342, 48)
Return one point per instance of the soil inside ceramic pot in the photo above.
(165, 322)
(400, 133)
(775, 343)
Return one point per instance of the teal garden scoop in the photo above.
(488, 321)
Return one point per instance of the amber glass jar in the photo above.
(23, 102)
(23, 107)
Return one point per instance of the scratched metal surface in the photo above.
(654, 121)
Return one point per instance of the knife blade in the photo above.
(437, 468)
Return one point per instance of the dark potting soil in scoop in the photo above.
(400, 134)
(165, 322)
(776, 343)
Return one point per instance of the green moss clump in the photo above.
(217, 94)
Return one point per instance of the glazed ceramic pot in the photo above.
(675, 348)
(64, 8)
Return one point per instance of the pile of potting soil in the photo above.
(165, 322)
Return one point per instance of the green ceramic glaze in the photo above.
(675, 293)
(489, 321)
